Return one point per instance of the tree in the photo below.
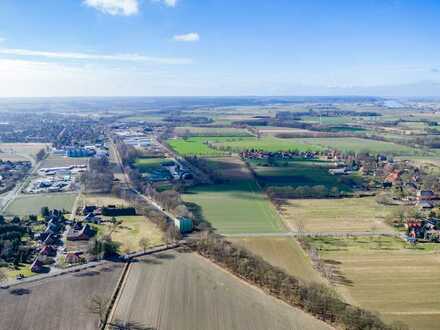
(45, 211)
(144, 243)
(121, 325)
(98, 306)
(3, 277)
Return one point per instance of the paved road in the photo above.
(7, 199)
(134, 190)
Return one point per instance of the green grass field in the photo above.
(381, 274)
(197, 146)
(317, 144)
(237, 205)
(269, 144)
(146, 165)
(303, 173)
(236, 208)
(32, 204)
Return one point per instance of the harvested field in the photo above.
(236, 206)
(273, 130)
(32, 204)
(58, 303)
(24, 151)
(336, 215)
(101, 200)
(282, 252)
(381, 274)
(185, 291)
(61, 161)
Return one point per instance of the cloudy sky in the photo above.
(219, 47)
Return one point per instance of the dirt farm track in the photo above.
(58, 303)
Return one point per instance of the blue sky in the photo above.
(219, 47)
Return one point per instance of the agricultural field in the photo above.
(271, 144)
(211, 131)
(184, 291)
(297, 173)
(282, 252)
(383, 274)
(58, 303)
(336, 215)
(146, 165)
(198, 146)
(61, 161)
(236, 206)
(21, 149)
(274, 130)
(32, 204)
(101, 200)
(320, 144)
(130, 231)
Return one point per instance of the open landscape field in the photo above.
(268, 144)
(101, 200)
(198, 146)
(317, 144)
(336, 215)
(131, 231)
(32, 204)
(58, 303)
(302, 173)
(237, 205)
(381, 274)
(146, 165)
(282, 252)
(171, 291)
(21, 149)
(211, 131)
(61, 161)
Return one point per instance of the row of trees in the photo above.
(318, 191)
(316, 299)
(99, 176)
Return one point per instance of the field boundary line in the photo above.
(116, 296)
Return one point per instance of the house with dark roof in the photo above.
(83, 234)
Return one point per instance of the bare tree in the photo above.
(130, 325)
(98, 305)
(144, 243)
(300, 227)
(3, 277)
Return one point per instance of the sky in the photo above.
(219, 47)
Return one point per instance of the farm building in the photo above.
(185, 225)
(79, 152)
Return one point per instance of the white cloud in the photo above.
(189, 37)
(95, 57)
(170, 3)
(115, 7)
